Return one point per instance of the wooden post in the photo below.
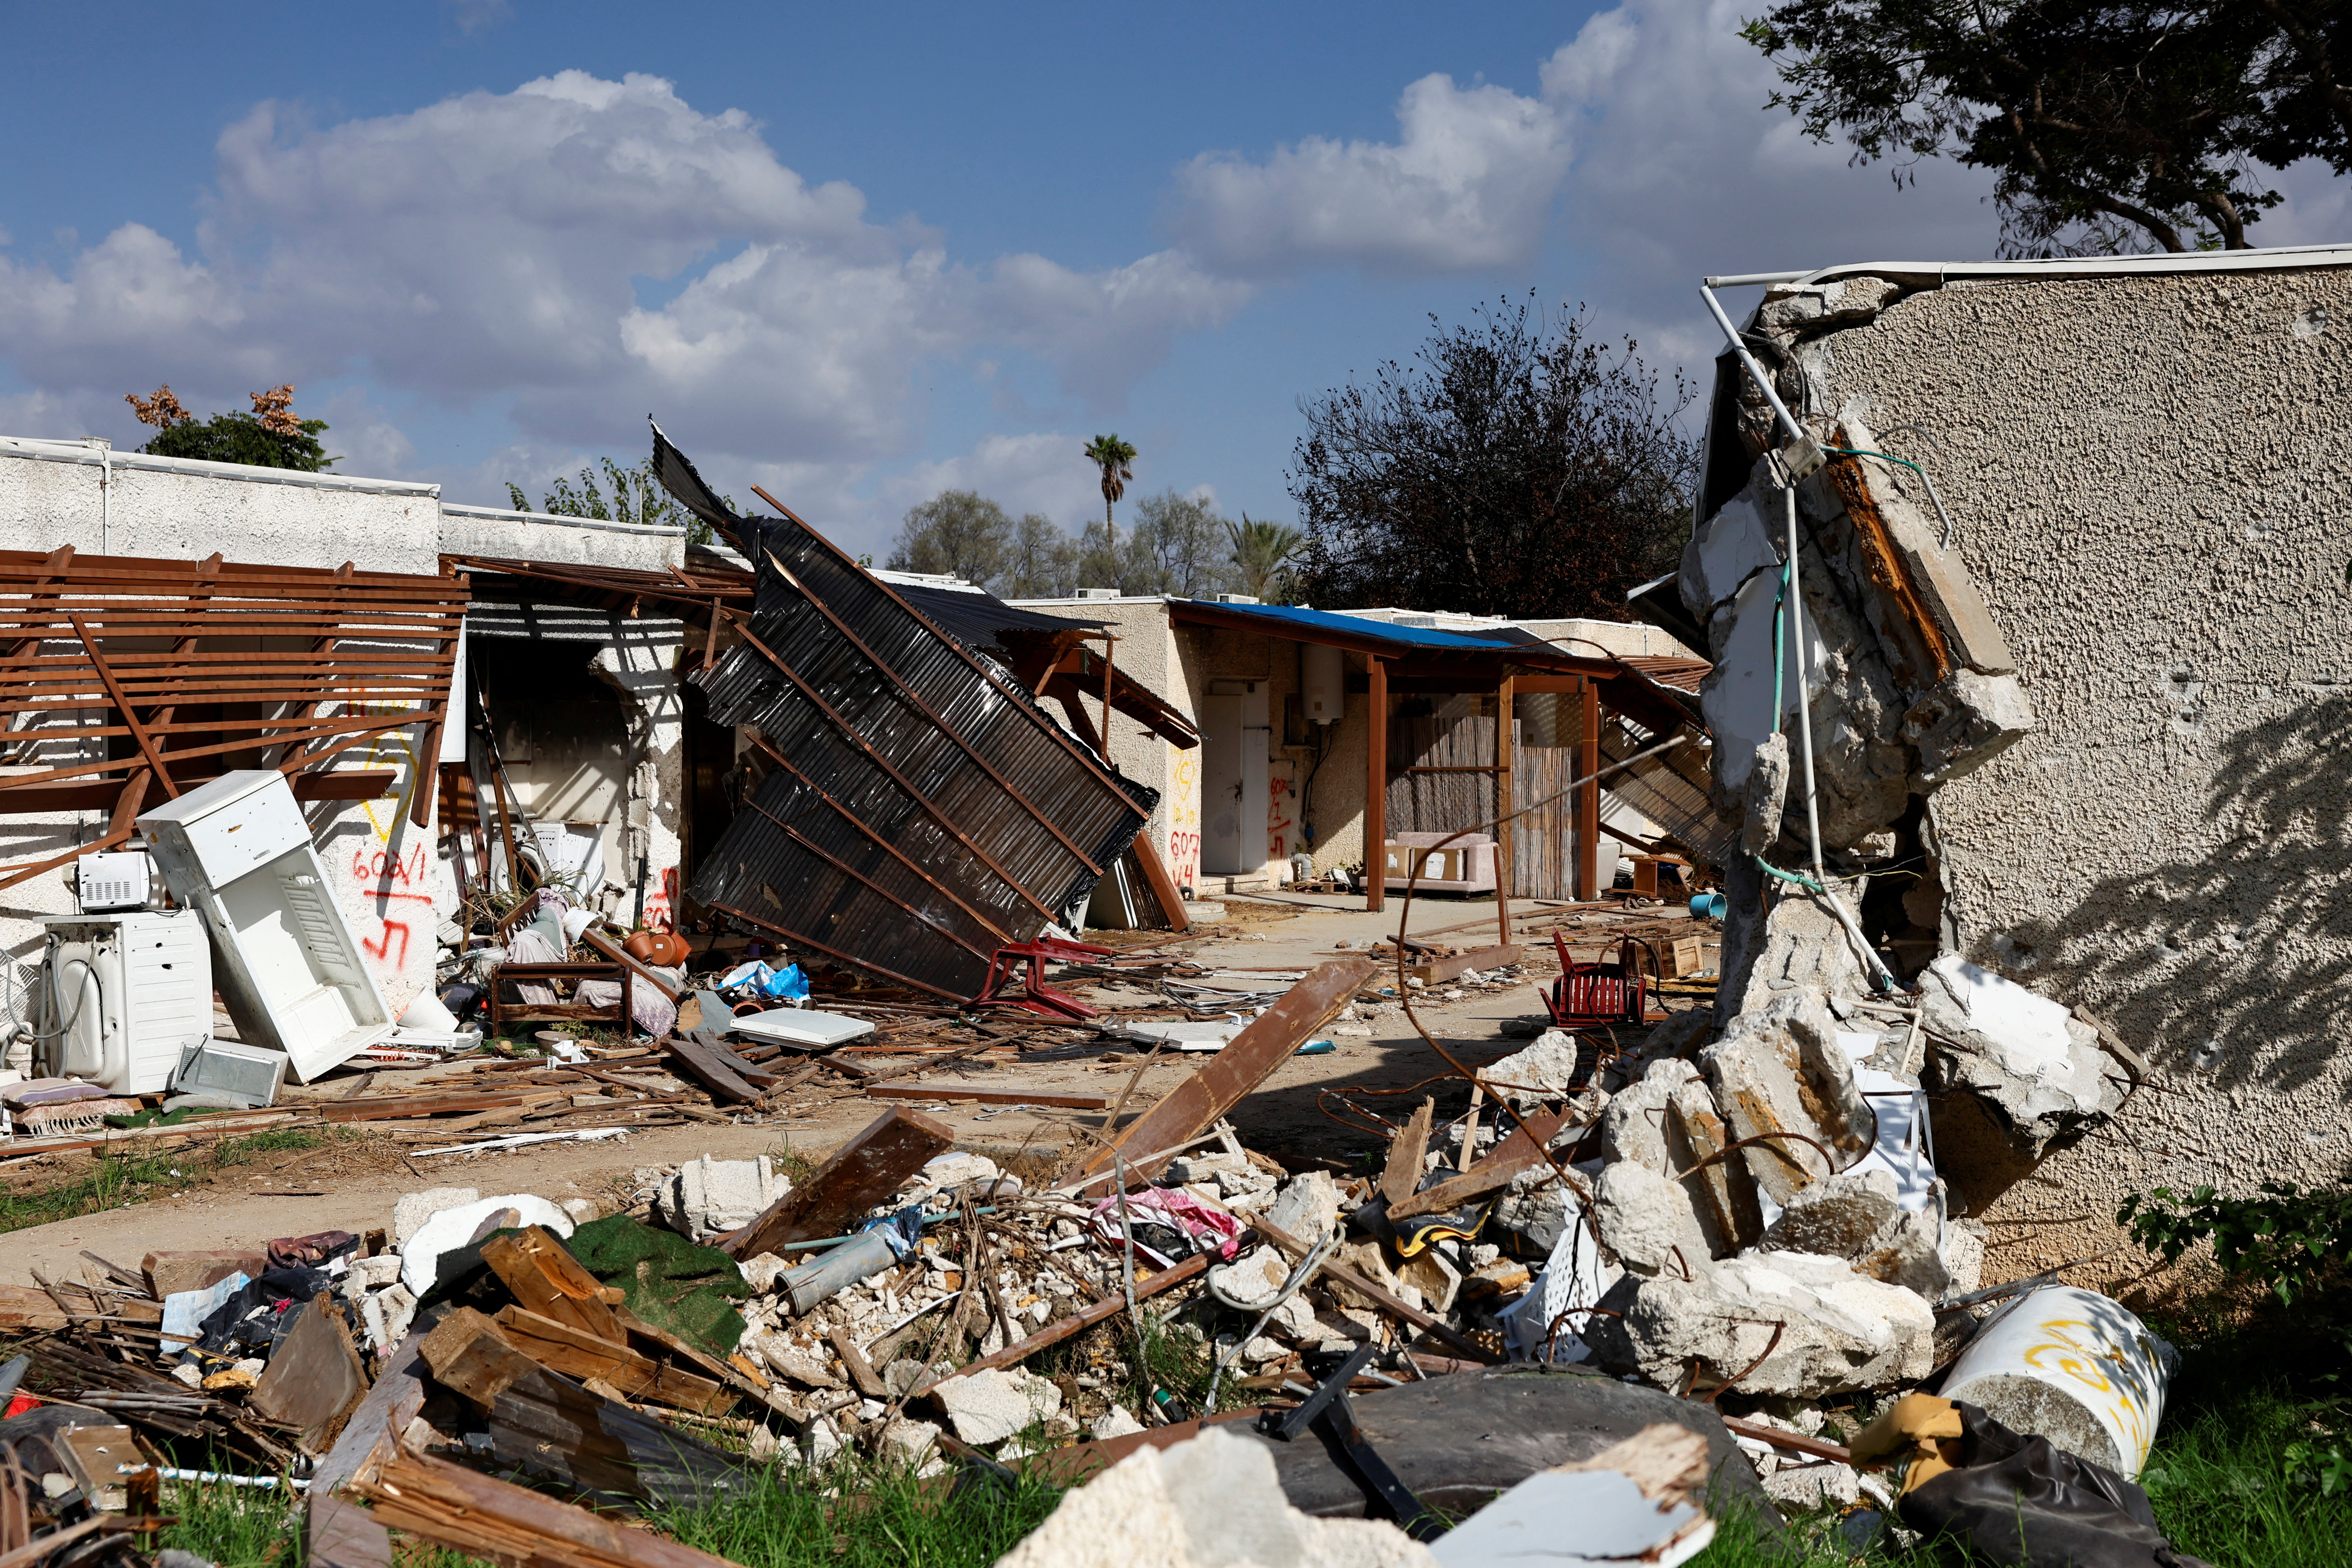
(1588, 798)
(1376, 787)
(1502, 827)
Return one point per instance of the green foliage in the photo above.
(1263, 553)
(637, 497)
(1177, 545)
(1520, 466)
(120, 1181)
(2290, 1242)
(2106, 125)
(242, 438)
(865, 1514)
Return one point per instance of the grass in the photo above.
(117, 1181)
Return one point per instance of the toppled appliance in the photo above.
(237, 851)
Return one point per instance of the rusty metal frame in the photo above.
(858, 738)
(911, 695)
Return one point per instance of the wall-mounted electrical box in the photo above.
(120, 997)
(237, 851)
(1322, 683)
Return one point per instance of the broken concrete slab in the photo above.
(709, 1198)
(2036, 1071)
(411, 1210)
(1212, 1501)
(1541, 1074)
(1646, 1220)
(1308, 1206)
(1780, 1075)
(991, 1405)
(1777, 1322)
(1836, 1218)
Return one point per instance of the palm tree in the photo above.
(1261, 551)
(1112, 456)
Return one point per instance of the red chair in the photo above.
(1591, 995)
(1022, 965)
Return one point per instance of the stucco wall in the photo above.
(385, 879)
(2149, 477)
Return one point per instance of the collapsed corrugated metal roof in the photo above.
(923, 810)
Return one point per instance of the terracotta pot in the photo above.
(640, 946)
(673, 950)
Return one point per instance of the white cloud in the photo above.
(1043, 471)
(1468, 186)
(495, 244)
(364, 437)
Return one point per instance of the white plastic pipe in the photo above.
(1755, 371)
(1805, 743)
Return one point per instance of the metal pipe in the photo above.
(1755, 370)
(1805, 741)
(1737, 279)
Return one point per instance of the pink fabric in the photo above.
(1210, 1228)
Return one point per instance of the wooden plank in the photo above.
(1164, 890)
(1340, 1273)
(338, 1534)
(1513, 1154)
(1440, 970)
(575, 1353)
(853, 1360)
(548, 1281)
(22, 1307)
(1402, 1174)
(758, 1076)
(1061, 1329)
(614, 951)
(314, 1378)
(861, 1173)
(697, 1063)
(371, 1436)
(1229, 1076)
(993, 1094)
(513, 1526)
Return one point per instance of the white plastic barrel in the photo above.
(2071, 1366)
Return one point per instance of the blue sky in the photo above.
(857, 256)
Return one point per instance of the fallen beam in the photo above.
(1229, 1076)
(514, 1526)
(1438, 970)
(1061, 1329)
(1514, 1154)
(1057, 1100)
(700, 1064)
(861, 1173)
(565, 1349)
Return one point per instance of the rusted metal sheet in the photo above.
(1197, 1103)
(925, 810)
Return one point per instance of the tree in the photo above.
(637, 498)
(1043, 562)
(1112, 456)
(1261, 553)
(2109, 126)
(960, 532)
(1518, 467)
(268, 437)
(1176, 546)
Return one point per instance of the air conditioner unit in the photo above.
(120, 997)
(237, 851)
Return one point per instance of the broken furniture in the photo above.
(1591, 995)
(1466, 864)
(1649, 869)
(238, 851)
(1023, 964)
(503, 1012)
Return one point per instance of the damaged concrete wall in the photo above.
(2144, 472)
